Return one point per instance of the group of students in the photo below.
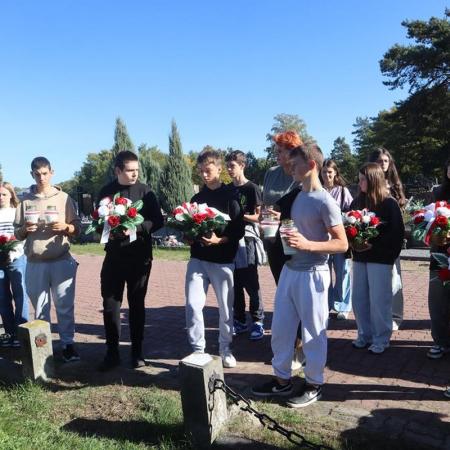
(303, 187)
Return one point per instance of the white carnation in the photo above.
(103, 211)
(119, 210)
(351, 220)
(443, 211)
(105, 201)
(365, 219)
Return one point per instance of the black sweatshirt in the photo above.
(141, 248)
(224, 199)
(386, 247)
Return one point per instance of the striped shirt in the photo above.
(7, 216)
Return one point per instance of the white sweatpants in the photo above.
(301, 295)
(54, 280)
(199, 275)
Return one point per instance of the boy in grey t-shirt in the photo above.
(302, 292)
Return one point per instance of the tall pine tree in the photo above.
(151, 169)
(342, 155)
(176, 184)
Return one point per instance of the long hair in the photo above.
(9, 187)
(391, 175)
(376, 187)
(339, 180)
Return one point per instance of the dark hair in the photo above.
(376, 186)
(123, 157)
(309, 152)
(39, 162)
(339, 180)
(391, 175)
(209, 156)
(236, 155)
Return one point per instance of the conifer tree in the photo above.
(176, 184)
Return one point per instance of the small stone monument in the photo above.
(37, 351)
(204, 412)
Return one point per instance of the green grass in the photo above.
(91, 418)
(168, 254)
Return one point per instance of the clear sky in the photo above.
(221, 68)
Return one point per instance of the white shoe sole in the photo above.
(302, 405)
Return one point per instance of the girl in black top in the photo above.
(373, 263)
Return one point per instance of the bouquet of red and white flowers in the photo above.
(197, 220)
(432, 223)
(360, 226)
(116, 214)
(8, 243)
(444, 264)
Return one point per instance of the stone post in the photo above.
(204, 412)
(37, 352)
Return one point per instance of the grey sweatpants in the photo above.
(199, 275)
(439, 308)
(54, 280)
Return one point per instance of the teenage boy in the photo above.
(302, 292)
(128, 262)
(246, 273)
(212, 260)
(51, 270)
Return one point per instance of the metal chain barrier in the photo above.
(265, 420)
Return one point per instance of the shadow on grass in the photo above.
(133, 431)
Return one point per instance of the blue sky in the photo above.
(221, 69)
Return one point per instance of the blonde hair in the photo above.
(9, 187)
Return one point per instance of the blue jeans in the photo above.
(12, 287)
(340, 292)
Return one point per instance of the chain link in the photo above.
(215, 384)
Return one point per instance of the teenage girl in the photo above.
(12, 273)
(395, 188)
(339, 293)
(373, 263)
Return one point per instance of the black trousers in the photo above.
(247, 278)
(115, 273)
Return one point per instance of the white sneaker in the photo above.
(395, 326)
(228, 360)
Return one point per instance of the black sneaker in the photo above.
(309, 394)
(111, 360)
(69, 354)
(5, 340)
(272, 388)
(137, 361)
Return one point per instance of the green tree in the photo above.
(424, 65)
(151, 169)
(363, 141)
(286, 122)
(176, 182)
(256, 168)
(94, 172)
(345, 160)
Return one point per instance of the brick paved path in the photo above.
(398, 393)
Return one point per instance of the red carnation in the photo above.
(199, 217)
(211, 214)
(351, 232)
(177, 210)
(12, 238)
(444, 274)
(132, 213)
(120, 201)
(441, 221)
(374, 221)
(113, 221)
(418, 219)
(355, 214)
(3, 239)
(95, 215)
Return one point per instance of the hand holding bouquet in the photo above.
(197, 220)
(360, 226)
(431, 224)
(7, 244)
(116, 215)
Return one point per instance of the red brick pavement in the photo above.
(399, 392)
